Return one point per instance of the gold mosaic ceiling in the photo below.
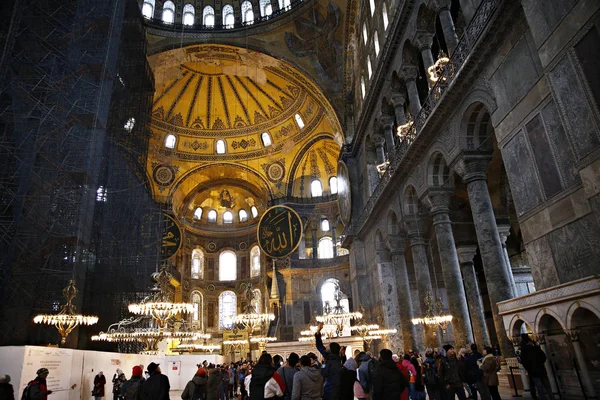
(207, 93)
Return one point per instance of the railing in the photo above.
(307, 263)
(467, 41)
(303, 200)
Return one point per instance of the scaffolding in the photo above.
(74, 200)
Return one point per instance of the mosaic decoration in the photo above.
(211, 246)
(211, 287)
(243, 246)
(243, 144)
(164, 175)
(276, 172)
(226, 199)
(195, 145)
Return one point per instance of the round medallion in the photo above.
(164, 175)
(210, 288)
(279, 231)
(243, 246)
(171, 237)
(211, 246)
(187, 284)
(275, 172)
(344, 196)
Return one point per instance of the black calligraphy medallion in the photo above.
(279, 231)
(171, 238)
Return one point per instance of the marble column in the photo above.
(410, 74)
(396, 243)
(573, 336)
(472, 169)
(424, 40)
(379, 142)
(315, 243)
(415, 226)
(392, 311)
(333, 229)
(439, 200)
(387, 124)
(504, 232)
(398, 100)
(541, 339)
(302, 248)
(447, 23)
(470, 282)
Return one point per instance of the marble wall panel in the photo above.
(588, 53)
(544, 16)
(542, 265)
(542, 153)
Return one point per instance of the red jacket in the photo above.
(38, 389)
(404, 371)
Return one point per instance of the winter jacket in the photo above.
(474, 373)
(156, 387)
(449, 373)
(404, 372)
(118, 380)
(347, 384)
(6, 391)
(99, 382)
(38, 389)
(389, 383)
(287, 374)
(265, 383)
(188, 392)
(332, 372)
(490, 367)
(533, 359)
(363, 374)
(411, 368)
(212, 385)
(308, 384)
(135, 380)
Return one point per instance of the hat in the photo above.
(152, 367)
(137, 371)
(42, 371)
(448, 347)
(201, 372)
(4, 378)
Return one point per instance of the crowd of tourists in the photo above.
(439, 374)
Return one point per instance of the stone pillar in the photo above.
(504, 232)
(541, 339)
(315, 243)
(424, 40)
(389, 300)
(447, 23)
(439, 200)
(387, 124)
(396, 243)
(379, 142)
(415, 226)
(470, 282)
(334, 236)
(399, 100)
(573, 336)
(302, 247)
(410, 74)
(473, 172)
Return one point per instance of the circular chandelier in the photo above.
(262, 341)
(436, 71)
(67, 319)
(251, 319)
(337, 315)
(191, 347)
(434, 314)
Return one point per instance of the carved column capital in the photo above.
(415, 228)
(504, 232)
(472, 167)
(573, 334)
(440, 5)
(386, 121)
(378, 139)
(410, 72)
(398, 99)
(438, 200)
(466, 253)
(423, 40)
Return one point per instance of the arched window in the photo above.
(331, 294)
(228, 17)
(220, 146)
(266, 139)
(189, 14)
(129, 125)
(325, 225)
(376, 43)
(365, 33)
(266, 8)
(285, 4)
(228, 217)
(257, 301)
(148, 9)
(363, 88)
(168, 15)
(197, 316)
(247, 13)
(198, 213)
(197, 267)
(316, 189)
(227, 266)
(227, 309)
(243, 215)
(170, 141)
(254, 211)
(325, 247)
(212, 216)
(254, 261)
(385, 17)
(208, 16)
(372, 7)
(333, 187)
(369, 68)
(299, 121)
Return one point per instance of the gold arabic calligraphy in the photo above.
(279, 233)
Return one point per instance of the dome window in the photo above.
(372, 7)
(198, 213)
(316, 189)
(299, 121)
(325, 225)
(266, 139)
(254, 211)
(285, 5)
(227, 266)
(168, 15)
(212, 216)
(266, 9)
(325, 249)
(148, 9)
(170, 141)
(376, 43)
(189, 14)
(363, 88)
(208, 17)
(129, 125)
(228, 17)
(385, 17)
(247, 13)
(365, 33)
(227, 309)
(333, 186)
(220, 146)
(369, 68)
(228, 217)
(243, 215)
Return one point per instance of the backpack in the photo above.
(26, 391)
(132, 391)
(199, 392)
(430, 377)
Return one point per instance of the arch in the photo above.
(208, 16)
(476, 130)
(331, 292)
(410, 201)
(227, 266)
(547, 319)
(577, 308)
(365, 33)
(148, 9)
(325, 249)
(197, 299)
(228, 217)
(189, 14)
(426, 19)
(266, 9)
(243, 215)
(325, 225)
(227, 309)
(410, 54)
(198, 213)
(254, 261)
(168, 14)
(316, 188)
(438, 171)
(247, 13)
(519, 326)
(197, 263)
(333, 186)
(228, 16)
(212, 216)
(392, 226)
(254, 211)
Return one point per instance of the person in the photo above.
(407, 366)
(533, 359)
(6, 389)
(157, 386)
(277, 361)
(99, 383)
(37, 389)
(332, 371)
(196, 388)
(347, 379)
(308, 382)
(419, 388)
(430, 376)
(265, 382)
(241, 378)
(130, 389)
(452, 382)
(474, 374)
(462, 369)
(389, 382)
(363, 374)
(213, 383)
(117, 381)
(490, 367)
(287, 373)
(359, 392)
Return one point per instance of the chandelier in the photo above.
(193, 348)
(67, 319)
(434, 314)
(251, 319)
(337, 315)
(262, 341)
(436, 71)
(403, 131)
